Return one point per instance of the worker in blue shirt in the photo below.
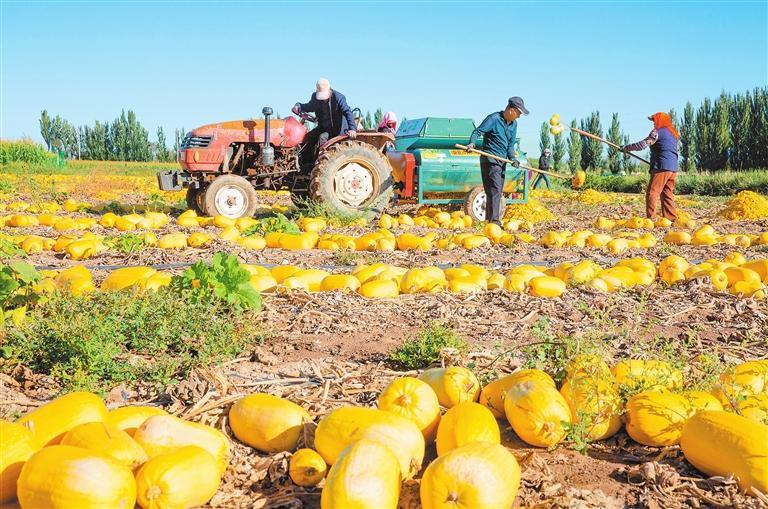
(499, 131)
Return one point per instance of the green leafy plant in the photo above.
(221, 280)
(577, 432)
(550, 353)
(10, 250)
(424, 348)
(277, 223)
(127, 244)
(16, 282)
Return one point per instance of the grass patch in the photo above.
(550, 352)
(424, 348)
(95, 342)
(77, 167)
(311, 208)
(278, 223)
(127, 243)
(721, 183)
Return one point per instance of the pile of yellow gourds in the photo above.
(73, 453)
(736, 274)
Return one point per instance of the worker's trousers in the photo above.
(661, 184)
(314, 139)
(492, 173)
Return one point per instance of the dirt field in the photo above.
(325, 350)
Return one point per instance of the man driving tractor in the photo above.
(334, 117)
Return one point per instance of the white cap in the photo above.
(323, 89)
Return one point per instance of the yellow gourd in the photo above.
(724, 444)
(263, 283)
(546, 286)
(466, 423)
(453, 385)
(51, 421)
(66, 477)
(81, 249)
(183, 478)
(126, 277)
(380, 289)
(307, 468)
(656, 418)
(754, 408)
(268, 423)
(747, 378)
(492, 395)
(578, 179)
(172, 241)
(165, 433)
(415, 400)
(478, 476)
(536, 412)
(639, 375)
(100, 437)
(345, 425)
(339, 282)
(702, 401)
(365, 476)
(18, 444)
(129, 418)
(591, 365)
(594, 404)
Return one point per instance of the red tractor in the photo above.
(224, 163)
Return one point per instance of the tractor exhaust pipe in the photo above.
(267, 151)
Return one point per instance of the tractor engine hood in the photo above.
(287, 132)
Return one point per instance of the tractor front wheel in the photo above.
(474, 204)
(195, 199)
(230, 196)
(352, 177)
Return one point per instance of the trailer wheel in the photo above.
(194, 199)
(353, 177)
(229, 196)
(474, 204)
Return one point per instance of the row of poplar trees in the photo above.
(123, 139)
(729, 132)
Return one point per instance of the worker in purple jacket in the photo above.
(663, 141)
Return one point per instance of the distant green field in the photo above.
(721, 183)
(75, 167)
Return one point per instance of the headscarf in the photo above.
(388, 121)
(662, 119)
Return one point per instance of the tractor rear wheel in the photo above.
(474, 204)
(352, 177)
(230, 196)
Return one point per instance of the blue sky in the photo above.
(189, 63)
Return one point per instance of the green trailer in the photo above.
(429, 169)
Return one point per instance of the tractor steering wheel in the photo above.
(306, 117)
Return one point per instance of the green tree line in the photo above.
(123, 139)
(729, 132)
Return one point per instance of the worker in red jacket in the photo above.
(663, 141)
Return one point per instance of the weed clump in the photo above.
(425, 347)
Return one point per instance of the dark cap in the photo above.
(517, 102)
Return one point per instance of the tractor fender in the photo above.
(378, 140)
